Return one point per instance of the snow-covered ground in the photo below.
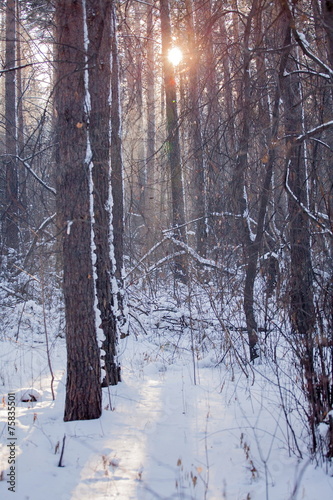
(177, 427)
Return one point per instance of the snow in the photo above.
(320, 128)
(69, 225)
(246, 215)
(90, 166)
(161, 436)
(303, 40)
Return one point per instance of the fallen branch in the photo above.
(201, 260)
(60, 464)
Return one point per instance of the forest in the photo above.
(166, 197)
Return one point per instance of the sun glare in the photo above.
(175, 56)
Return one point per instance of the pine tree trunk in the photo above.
(11, 230)
(99, 71)
(173, 143)
(271, 131)
(301, 274)
(83, 387)
(239, 184)
(151, 195)
(197, 162)
(327, 12)
(301, 310)
(117, 182)
(22, 173)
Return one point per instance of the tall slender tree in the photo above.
(150, 189)
(11, 229)
(173, 142)
(100, 38)
(197, 159)
(75, 211)
(117, 186)
(239, 179)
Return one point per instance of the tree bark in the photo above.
(11, 229)
(117, 183)
(327, 10)
(151, 192)
(83, 387)
(213, 118)
(239, 185)
(197, 180)
(301, 309)
(301, 274)
(253, 247)
(173, 143)
(99, 24)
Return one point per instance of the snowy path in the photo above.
(166, 438)
(158, 449)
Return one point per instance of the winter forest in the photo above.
(166, 231)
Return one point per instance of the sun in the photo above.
(175, 56)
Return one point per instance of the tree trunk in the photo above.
(99, 71)
(239, 185)
(301, 274)
(253, 247)
(11, 230)
(302, 312)
(173, 143)
(151, 195)
(211, 130)
(22, 173)
(83, 387)
(117, 185)
(197, 179)
(327, 10)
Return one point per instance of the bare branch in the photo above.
(313, 217)
(315, 131)
(33, 173)
(43, 225)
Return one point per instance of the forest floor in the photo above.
(183, 424)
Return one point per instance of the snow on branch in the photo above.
(21, 66)
(157, 245)
(314, 131)
(33, 173)
(42, 226)
(201, 260)
(212, 214)
(186, 249)
(164, 260)
(11, 292)
(307, 72)
(313, 217)
(304, 45)
(146, 3)
(173, 229)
